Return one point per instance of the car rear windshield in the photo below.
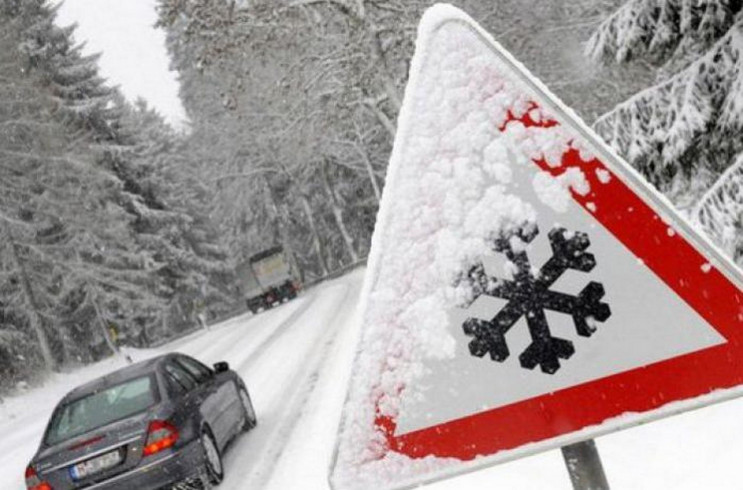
(101, 408)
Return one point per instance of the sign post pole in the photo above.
(584, 466)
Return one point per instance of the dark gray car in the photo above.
(151, 425)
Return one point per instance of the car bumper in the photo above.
(183, 465)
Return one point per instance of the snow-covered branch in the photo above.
(656, 29)
(678, 133)
(720, 211)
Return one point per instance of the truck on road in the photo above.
(267, 279)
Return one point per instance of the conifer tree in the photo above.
(191, 261)
(720, 211)
(99, 239)
(683, 132)
(54, 208)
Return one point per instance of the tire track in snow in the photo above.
(230, 334)
(227, 348)
(194, 337)
(255, 353)
(306, 379)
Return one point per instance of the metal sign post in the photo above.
(584, 466)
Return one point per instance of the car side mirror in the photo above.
(221, 367)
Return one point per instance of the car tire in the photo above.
(248, 410)
(212, 457)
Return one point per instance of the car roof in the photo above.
(142, 368)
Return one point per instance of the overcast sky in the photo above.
(133, 51)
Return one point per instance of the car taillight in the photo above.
(33, 482)
(160, 435)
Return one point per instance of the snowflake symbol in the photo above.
(529, 295)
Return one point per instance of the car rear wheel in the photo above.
(212, 457)
(249, 412)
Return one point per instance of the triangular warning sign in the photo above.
(526, 289)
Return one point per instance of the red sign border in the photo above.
(645, 233)
(688, 398)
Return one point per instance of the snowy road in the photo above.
(278, 354)
(296, 359)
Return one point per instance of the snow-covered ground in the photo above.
(278, 354)
(296, 361)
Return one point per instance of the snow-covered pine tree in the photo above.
(720, 211)
(73, 261)
(71, 79)
(51, 197)
(91, 240)
(126, 150)
(191, 260)
(100, 265)
(683, 132)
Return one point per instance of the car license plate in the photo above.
(95, 465)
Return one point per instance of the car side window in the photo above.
(173, 385)
(195, 368)
(181, 376)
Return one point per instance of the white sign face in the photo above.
(648, 323)
(525, 288)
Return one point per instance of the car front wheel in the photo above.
(212, 457)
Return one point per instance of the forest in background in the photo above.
(117, 230)
(293, 104)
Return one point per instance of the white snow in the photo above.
(551, 192)
(603, 176)
(296, 359)
(555, 192)
(699, 449)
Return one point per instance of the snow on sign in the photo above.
(525, 290)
